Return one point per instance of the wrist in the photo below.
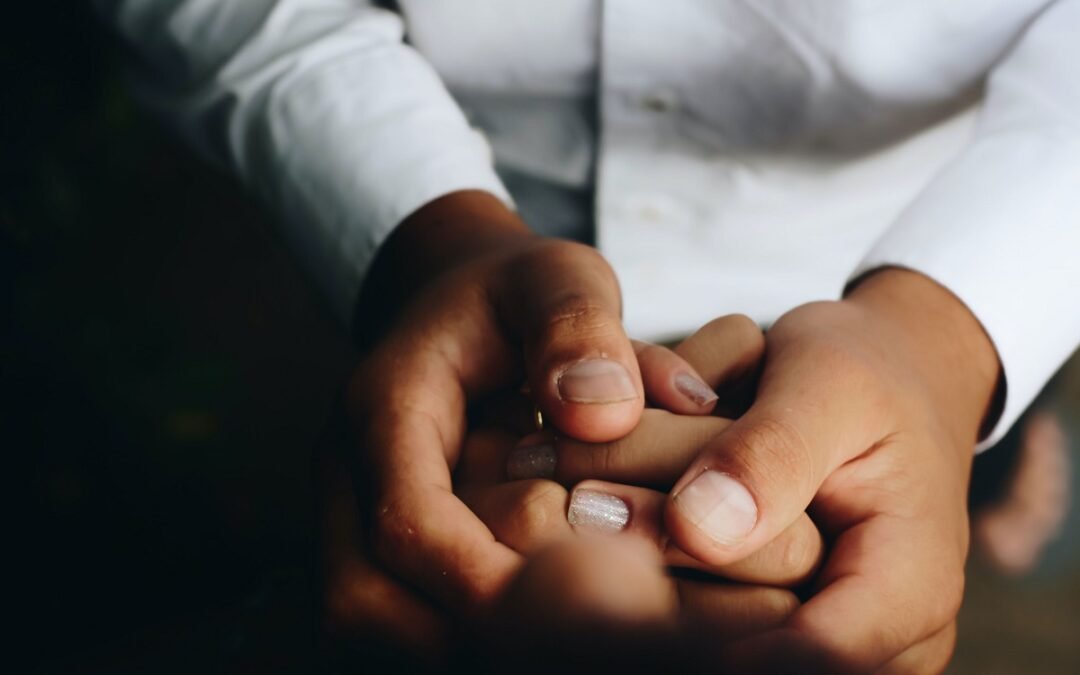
(447, 232)
(441, 235)
(939, 341)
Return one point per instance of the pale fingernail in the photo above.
(719, 506)
(534, 461)
(596, 381)
(694, 389)
(597, 511)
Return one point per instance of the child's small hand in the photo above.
(530, 515)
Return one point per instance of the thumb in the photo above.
(759, 475)
(563, 303)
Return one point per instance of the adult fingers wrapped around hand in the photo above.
(655, 453)
(607, 605)
(529, 515)
(548, 308)
(368, 614)
(725, 354)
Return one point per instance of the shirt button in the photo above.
(660, 101)
(650, 213)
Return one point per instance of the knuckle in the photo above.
(798, 556)
(571, 252)
(744, 329)
(605, 459)
(472, 594)
(394, 531)
(539, 512)
(580, 460)
(780, 604)
(559, 254)
(780, 447)
(348, 603)
(577, 316)
(648, 352)
(740, 332)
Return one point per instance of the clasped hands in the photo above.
(864, 414)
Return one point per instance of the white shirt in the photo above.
(745, 155)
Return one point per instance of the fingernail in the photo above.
(694, 389)
(597, 511)
(720, 506)
(596, 381)
(534, 461)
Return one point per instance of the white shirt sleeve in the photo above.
(319, 106)
(1000, 225)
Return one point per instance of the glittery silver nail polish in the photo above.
(597, 511)
(534, 461)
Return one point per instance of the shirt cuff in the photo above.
(999, 229)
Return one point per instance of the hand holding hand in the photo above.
(531, 515)
(486, 305)
(867, 413)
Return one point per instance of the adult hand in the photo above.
(484, 305)
(528, 513)
(376, 620)
(369, 606)
(532, 514)
(867, 411)
(368, 615)
(373, 617)
(591, 605)
(608, 604)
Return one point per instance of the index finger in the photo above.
(362, 604)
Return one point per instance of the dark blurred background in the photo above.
(164, 371)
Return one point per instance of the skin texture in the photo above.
(866, 412)
(480, 292)
(374, 613)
